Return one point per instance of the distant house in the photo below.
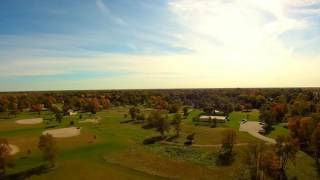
(72, 112)
(221, 119)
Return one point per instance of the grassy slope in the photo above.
(118, 153)
(277, 131)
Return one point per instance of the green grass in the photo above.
(236, 117)
(278, 130)
(118, 153)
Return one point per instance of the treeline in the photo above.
(297, 101)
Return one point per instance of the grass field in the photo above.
(278, 130)
(236, 117)
(118, 153)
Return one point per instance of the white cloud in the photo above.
(235, 43)
(104, 8)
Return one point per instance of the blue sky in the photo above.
(108, 44)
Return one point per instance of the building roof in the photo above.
(214, 117)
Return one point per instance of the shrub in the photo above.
(71, 123)
(190, 139)
(153, 139)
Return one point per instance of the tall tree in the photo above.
(161, 122)
(105, 103)
(59, 117)
(133, 111)
(176, 122)
(285, 149)
(226, 155)
(37, 108)
(185, 111)
(315, 141)
(6, 160)
(48, 146)
(94, 106)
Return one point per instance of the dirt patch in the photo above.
(95, 121)
(30, 121)
(13, 149)
(63, 132)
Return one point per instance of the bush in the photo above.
(225, 157)
(188, 143)
(153, 139)
(28, 173)
(71, 123)
(190, 139)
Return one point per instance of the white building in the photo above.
(221, 119)
(72, 112)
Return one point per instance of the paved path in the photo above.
(199, 145)
(253, 128)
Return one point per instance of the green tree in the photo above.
(185, 111)
(161, 123)
(226, 153)
(59, 117)
(176, 122)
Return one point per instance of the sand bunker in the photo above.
(63, 132)
(30, 121)
(14, 149)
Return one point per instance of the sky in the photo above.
(145, 44)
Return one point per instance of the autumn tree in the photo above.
(105, 103)
(48, 146)
(13, 107)
(6, 160)
(261, 162)
(300, 107)
(4, 104)
(269, 165)
(37, 108)
(49, 101)
(252, 159)
(315, 141)
(285, 148)
(301, 129)
(94, 106)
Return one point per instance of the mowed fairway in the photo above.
(110, 150)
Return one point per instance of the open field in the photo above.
(114, 150)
